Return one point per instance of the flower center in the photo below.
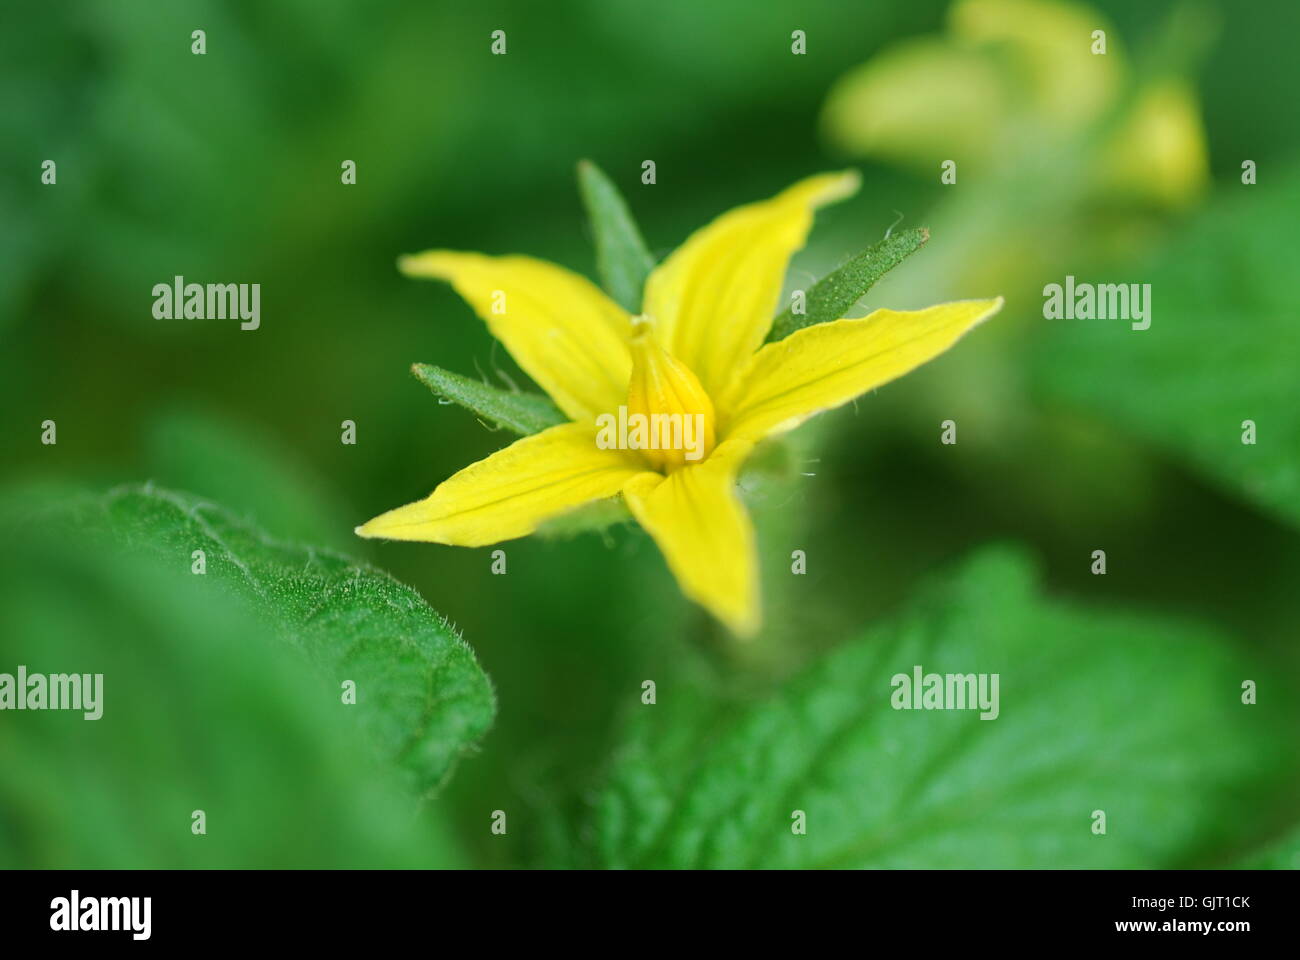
(678, 413)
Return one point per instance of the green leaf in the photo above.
(523, 413)
(1130, 714)
(832, 296)
(202, 707)
(1283, 854)
(1221, 349)
(621, 255)
(421, 696)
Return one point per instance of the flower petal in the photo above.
(560, 328)
(1158, 151)
(511, 492)
(713, 299)
(821, 367)
(705, 534)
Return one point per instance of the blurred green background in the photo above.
(1072, 436)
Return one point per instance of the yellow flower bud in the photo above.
(678, 414)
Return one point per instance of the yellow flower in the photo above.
(1011, 78)
(697, 350)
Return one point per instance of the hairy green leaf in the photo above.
(201, 706)
(1222, 348)
(622, 258)
(420, 694)
(522, 413)
(1128, 714)
(832, 296)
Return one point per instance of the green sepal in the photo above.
(832, 296)
(522, 413)
(622, 259)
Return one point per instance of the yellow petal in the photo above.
(920, 102)
(1002, 68)
(823, 366)
(511, 492)
(713, 299)
(1158, 151)
(705, 534)
(560, 328)
(1048, 45)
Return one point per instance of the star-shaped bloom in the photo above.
(696, 349)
